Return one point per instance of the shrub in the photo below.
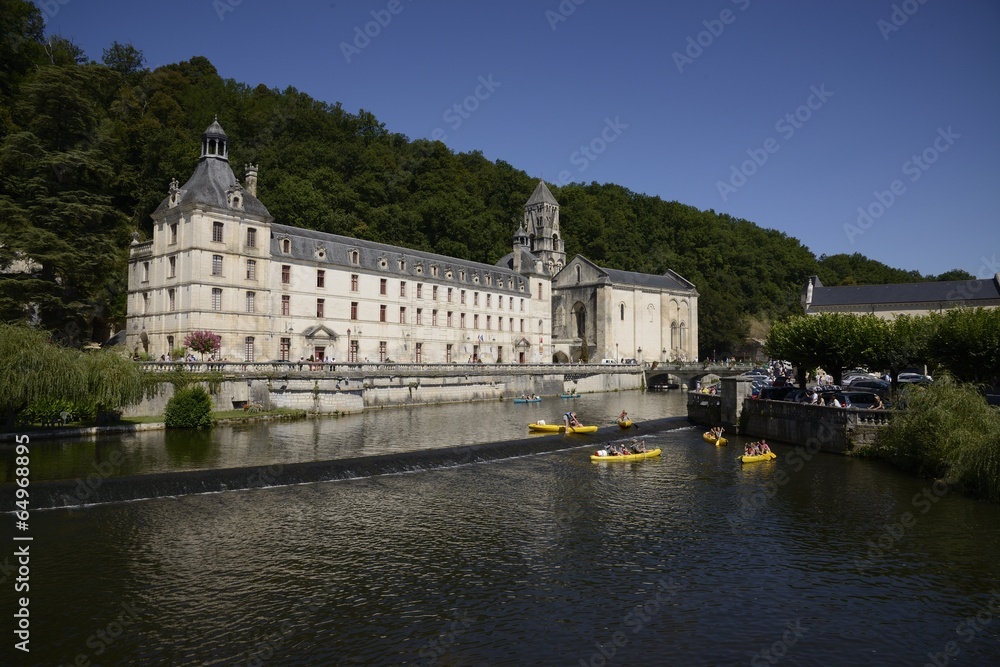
(190, 407)
(946, 431)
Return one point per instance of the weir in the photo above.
(97, 489)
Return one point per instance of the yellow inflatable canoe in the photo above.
(759, 457)
(559, 428)
(628, 457)
(718, 443)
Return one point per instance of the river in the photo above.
(688, 559)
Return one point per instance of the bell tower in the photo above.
(541, 222)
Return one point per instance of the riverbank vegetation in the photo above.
(45, 383)
(947, 431)
(88, 150)
(964, 342)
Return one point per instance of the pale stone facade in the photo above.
(218, 262)
(623, 315)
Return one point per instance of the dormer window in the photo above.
(319, 252)
(402, 265)
(286, 246)
(382, 262)
(355, 258)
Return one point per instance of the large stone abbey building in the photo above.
(219, 262)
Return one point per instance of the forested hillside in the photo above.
(88, 149)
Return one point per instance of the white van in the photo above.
(608, 361)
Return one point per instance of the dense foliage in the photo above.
(190, 407)
(964, 342)
(948, 432)
(87, 151)
(39, 379)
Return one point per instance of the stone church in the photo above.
(219, 262)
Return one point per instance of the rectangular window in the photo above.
(382, 350)
(216, 265)
(382, 286)
(489, 300)
(321, 279)
(434, 293)
(286, 305)
(352, 352)
(539, 290)
(402, 314)
(145, 272)
(511, 323)
(251, 269)
(420, 290)
(510, 303)
(522, 305)
(447, 353)
(381, 313)
(354, 310)
(173, 234)
(320, 308)
(171, 267)
(499, 354)
(418, 353)
(217, 232)
(434, 271)
(489, 324)
(522, 326)
(448, 321)
(500, 323)
(475, 321)
(434, 318)
(170, 343)
(285, 352)
(475, 298)
(286, 274)
(251, 237)
(249, 348)
(420, 315)
(172, 299)
(461, 321)
(462, 297)
(500, 302)
(251, 299)
(449, 295)
(216, 298)
(402, 288)
(145, 302)
(354, 282)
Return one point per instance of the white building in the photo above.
(218, 262)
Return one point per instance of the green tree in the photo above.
(966, 341)
(33, 369)
(833, 341)
(112, 382)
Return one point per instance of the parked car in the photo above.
(799, 396)
(880, 387)
(775, 393)
(862, 400)
(914, 377)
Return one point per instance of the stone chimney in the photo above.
(251, 179)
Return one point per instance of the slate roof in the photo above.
(946, 291)
(306, 244)
(541, 195)
(208, 185)
(669, 281)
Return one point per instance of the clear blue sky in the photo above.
(868, 84)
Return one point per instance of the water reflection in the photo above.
(536, 560)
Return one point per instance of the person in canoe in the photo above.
(623, 416)
(571, 420)
(638, 446)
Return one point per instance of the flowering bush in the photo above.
(204, 342)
